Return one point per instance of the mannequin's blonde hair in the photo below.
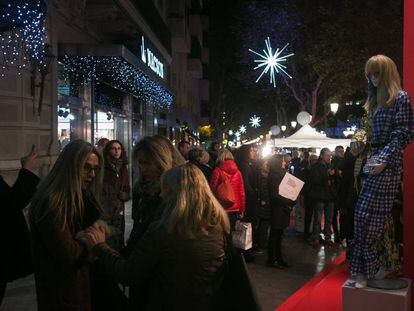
(388, 82)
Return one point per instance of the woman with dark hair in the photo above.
(115, 191)
(280, 209)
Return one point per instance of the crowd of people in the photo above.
(185, 204)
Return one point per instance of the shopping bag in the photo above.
(242, 235)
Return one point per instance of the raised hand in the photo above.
(29, 162)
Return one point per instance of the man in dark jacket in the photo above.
(15, 262)
(320, 177)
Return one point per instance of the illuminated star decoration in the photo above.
(271, 61)
(255, 121)
(237, 134)
(242, 129)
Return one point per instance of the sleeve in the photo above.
(403, 132)
(24, 188)
(245, 171)
(215, 179)
(137, 267)
(241, 193)
(316, 177)
(126, 188)
(60, 244)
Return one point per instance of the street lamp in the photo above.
(334, 107)
(283, 127)
(293, 123)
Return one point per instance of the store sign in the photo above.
(151, 60)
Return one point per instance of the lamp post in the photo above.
(283, 127)
(293, 123)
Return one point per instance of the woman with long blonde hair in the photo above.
(392, 119)
(154, 156)
(66, 203)
(179, 260)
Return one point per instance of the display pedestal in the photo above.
(371, 299)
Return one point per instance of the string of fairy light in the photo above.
(117, 72)
(22, 35)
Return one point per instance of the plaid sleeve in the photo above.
(403, 132)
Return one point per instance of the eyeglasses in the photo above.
(88, 169)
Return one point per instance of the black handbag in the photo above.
(237, 290)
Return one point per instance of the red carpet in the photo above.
(322, 292)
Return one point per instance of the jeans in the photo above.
(327, 208)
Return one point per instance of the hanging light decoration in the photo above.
(22, 33)
(119, 73)
(272, 62)
(255, 121)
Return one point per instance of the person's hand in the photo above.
(101, 225)
(85, 239)
(29, 162)
(378, 168)
(97, 235)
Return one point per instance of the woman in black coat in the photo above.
(15, 262)
(280, 209)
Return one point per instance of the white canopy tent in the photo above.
(308, 137)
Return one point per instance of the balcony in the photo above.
(195, 67)
(180, 36)
(205, 55)
(204, 90)
(195, 26)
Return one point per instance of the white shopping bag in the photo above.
(290, 187)
(242, 235)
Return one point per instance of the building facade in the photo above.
(117, 69)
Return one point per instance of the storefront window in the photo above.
(104, 126)
(69, 127)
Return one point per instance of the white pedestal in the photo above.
(370, 299)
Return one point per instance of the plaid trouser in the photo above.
(374, 206)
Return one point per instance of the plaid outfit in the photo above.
(392, 130)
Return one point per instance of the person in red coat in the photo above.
(226, 167)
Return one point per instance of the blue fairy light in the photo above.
(22, 33)
(120, 74)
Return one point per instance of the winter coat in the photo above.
(263, 211)
(146, 208)
(16, 259)
(206, 169)
(280, 207)
(115, 192)
(168, 272)
(248, 172)
(229, 169)
(320, 183)
(60, 262)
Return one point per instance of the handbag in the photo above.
(224, 192)
(237, 291)
(242, 235)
